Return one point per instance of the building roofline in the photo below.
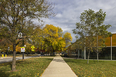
(113, 32)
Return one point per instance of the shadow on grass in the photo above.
(26, 62)
(21, 62)
(78, 61)
(75, 61)
(5, 68)
(49, 59)
(6, 73)
(3, 64)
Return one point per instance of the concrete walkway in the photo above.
(58, 68)
(9, 59)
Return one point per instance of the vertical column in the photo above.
(78, 53)
(111, 47)
(24, 51)
(84, 52)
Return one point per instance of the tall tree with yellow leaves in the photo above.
(50, 36)
(68, 38)
(61, 44)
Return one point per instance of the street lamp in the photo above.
(20, 35)
(0, 52)
(8, 50)
(23, 48)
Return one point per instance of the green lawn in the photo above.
(32, 67)
(93, 69)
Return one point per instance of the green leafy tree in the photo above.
(91, 26)
(4, 43)
(15, 13)
(78, 45)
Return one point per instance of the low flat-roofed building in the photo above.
(108, 52)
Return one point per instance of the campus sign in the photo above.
(22, 49)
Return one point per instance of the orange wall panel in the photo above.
(113, 39)
(108, 41)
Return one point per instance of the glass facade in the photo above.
(105, 54)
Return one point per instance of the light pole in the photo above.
(0, 52)
(8, 50)
(23, 52)
(23, 48)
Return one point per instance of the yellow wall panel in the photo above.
(108, 41)
(113, 39)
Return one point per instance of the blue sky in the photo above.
(69, 11)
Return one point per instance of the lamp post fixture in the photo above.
(20, 35)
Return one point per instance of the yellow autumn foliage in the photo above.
(68, 38)
(18, 48)
(50, 30)
(59, 38)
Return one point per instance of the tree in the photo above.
(15, 13)
(91, 26)
(61, 41)
(68, 38)
(28, 48)
(51, 36)
(60, 32)
(53, 40)
(77, 46)
(61, 44)
(4, 43)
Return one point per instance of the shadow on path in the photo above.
(59, 60)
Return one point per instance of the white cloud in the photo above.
(59, 15)
(69, 11)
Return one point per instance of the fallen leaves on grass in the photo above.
(27, 68)
(94, 69)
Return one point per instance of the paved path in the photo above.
(58, 68)
(9, 59)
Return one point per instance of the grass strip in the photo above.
(32, 67)
(93, 69)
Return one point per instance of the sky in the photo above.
(68, 13)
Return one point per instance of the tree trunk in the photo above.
(53, 52)
(27, 53)
(97, 56)
(14, 58)
(78, 54)
(97, 48)
(88, 57)
(0, 53)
